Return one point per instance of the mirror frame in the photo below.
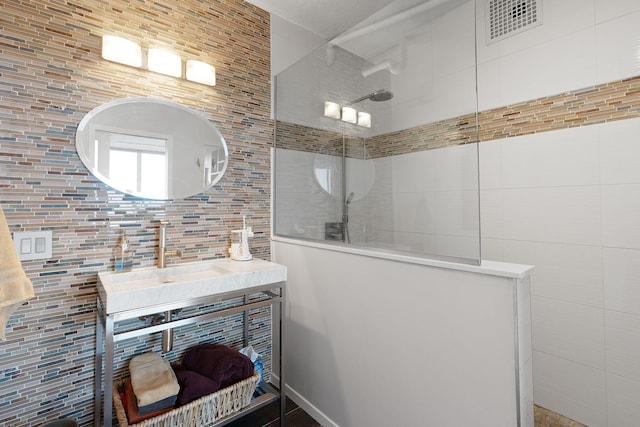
(86, 130)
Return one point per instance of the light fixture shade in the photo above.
(364, 119)
(200, 72)
(121, 50)
(162, 61)
(349, 115)
(331, 109)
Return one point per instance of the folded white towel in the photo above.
(152, 378)
(15, 286)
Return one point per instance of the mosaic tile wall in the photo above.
(51, 75)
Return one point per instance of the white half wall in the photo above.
(381, 342)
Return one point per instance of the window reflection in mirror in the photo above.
(214, 161)
(135, 163)
(152, 148)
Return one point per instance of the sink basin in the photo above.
(145, 287)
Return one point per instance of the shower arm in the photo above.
(355, 101)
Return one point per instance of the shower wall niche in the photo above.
(407, 184)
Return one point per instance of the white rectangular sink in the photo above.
(144, 287)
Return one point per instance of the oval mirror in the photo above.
(151, 148)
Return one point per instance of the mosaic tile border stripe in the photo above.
(607, 102)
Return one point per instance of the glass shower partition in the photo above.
(376, 136)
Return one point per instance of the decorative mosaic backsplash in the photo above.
(51, 75)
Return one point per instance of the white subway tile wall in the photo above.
(621, 270)
(575, 388)
(623, 345)
(617, 47)
(622, 401)
(579, 226)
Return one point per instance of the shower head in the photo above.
(377, 96)
(381, 95)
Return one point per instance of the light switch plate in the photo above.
(32, 245)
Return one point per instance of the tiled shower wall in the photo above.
(51, 74)
(424, 195)
(567, 202)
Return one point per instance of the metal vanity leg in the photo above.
(108, 372)
(283, 396)
(97, 384)
(245, 323)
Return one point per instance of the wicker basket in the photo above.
(201, 412)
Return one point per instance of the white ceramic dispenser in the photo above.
(239, 249)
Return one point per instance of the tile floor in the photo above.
(297, 417)
(546, 418)
(269, 416)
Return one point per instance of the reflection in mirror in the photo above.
(340, 175)
(151, 148)
(134, 163)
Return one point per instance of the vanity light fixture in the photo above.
(349, 115)
(200, 72)
(164, 62)
(364, 119)
(121, 50)
(332, 109)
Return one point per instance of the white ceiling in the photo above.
(326, 18)
(373, 26)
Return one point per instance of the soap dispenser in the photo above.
(239, 249)
(123, 258)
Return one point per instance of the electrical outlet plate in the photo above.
(32, 245)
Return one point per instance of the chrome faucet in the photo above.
(162, 246)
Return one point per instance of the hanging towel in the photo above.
(15, 286)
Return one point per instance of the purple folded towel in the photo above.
(193, 385)
(221, 364)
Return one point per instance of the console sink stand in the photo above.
(106, 337)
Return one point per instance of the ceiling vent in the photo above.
(508, 17)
